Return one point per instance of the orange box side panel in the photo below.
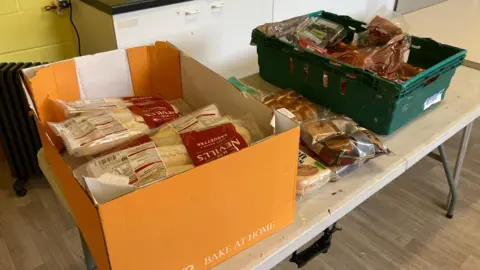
(83, 209)
(155, 71)
(47, 82)
(172, 220)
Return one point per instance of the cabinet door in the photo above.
(175, 23)
(229, 33)
(285, 9)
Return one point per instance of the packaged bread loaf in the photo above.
(311, 174)
(95, 131)
(73, 108)
(293, 105)
(137, 163)
(339, 142)
(169, 134)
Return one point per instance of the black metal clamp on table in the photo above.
(321, 246)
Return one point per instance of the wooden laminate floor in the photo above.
(401, 227)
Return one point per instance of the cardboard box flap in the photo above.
(155, 71)
(48, 81)
(202, 86)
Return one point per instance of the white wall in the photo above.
(358, 9)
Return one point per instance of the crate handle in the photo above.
(431, 80)
(325, 79)
(352, 28)
(416, 47)
(335, 63)
(343, 86)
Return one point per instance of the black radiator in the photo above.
(18, 133)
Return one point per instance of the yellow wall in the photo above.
(27, 33)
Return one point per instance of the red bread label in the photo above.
(141, 99)
(213, 143)
(155, 113)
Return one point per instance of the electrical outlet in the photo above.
(58, 6)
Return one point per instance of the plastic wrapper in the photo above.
(385, 25)
(222, 137)
(96, 132)
(75, 107)
(309, 33)
(311, 174)
(318, 33)
(340, 143)
(130, 166)
(258, 93)
(168, 134)
(294, 106)
(386, 60)
(404, 72)
(284, 29)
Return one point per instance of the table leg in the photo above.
(461, 156)
(451, 182)
(91, 265)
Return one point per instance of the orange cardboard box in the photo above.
(193, 220)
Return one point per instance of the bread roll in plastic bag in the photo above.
(339, 141)
(137, 163)
(311, 174)
(96, 131)
(168, 134)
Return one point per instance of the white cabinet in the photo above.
(229, 34)
(215, 32)
(176, 23)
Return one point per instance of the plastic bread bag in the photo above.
(168, 134)
(313, 132)
(73, 108)
(311, 174)
(258, 93)
(319, 33)
(387, 59)
(94, 133)
(340, 142)
(294, 106)
(158, 112)
(385, 25)
(225, 137)
(130, 166)
(97, 131)
(285, 30)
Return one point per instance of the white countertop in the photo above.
(319, 210)
(454, 22)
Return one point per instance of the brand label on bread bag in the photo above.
(213, 143)
(139, 161)
(155, 113)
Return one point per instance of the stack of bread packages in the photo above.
(135, 141)
(331, 145)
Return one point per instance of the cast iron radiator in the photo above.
(18, 133)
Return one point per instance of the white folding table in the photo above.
(318, 211)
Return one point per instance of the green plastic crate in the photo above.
(376, 103)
